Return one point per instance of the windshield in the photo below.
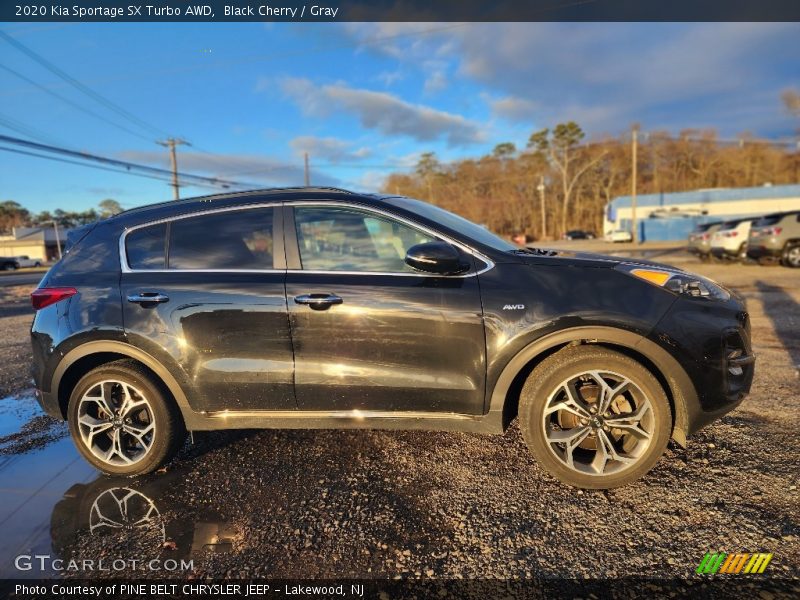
(768, 220)
(453, 221)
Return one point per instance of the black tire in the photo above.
(791, 256)
(547, 380)
(168, 429)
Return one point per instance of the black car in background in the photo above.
(320, 308)
(578, 234)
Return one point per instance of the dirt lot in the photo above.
(387, 504)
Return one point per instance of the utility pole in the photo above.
(634, 228)
(308, 175)
(540, 187)
(54, 223)
(171, 143)
(58, 239)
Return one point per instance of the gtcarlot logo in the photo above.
(46, 563)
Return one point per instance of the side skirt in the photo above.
(491, 423)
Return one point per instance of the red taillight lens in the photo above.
(733, 233)
(705, 236)
(773, 231)
(46, 296)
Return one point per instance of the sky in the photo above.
(363, 99)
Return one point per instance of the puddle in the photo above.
(54, 504)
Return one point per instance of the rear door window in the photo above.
(233, 240)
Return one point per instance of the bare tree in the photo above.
(561, 148)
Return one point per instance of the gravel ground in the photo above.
(417, 504)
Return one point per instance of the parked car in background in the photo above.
(776, 236)
(700, 239)
(619, 235)
(578, 234)
(8, 263)
(730, 240)
(26, 261)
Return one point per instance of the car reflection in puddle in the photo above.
(56, 505)
(127, 520)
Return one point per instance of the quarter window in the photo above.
(240, 239)
(145, 247)
(333, 239)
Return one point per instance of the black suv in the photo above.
(320, 308)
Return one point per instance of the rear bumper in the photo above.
(720, 252)
(757, 252)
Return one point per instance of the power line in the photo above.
(126, 165)
(285, 54)
(90, 166)
(80, 86)
(24, 129)
(75, 105)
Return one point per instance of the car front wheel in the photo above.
(594, 418)
(121, 421)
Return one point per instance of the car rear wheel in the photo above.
(121, 421)
(594, 418)
(791, 256)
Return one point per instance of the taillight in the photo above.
(46, 296)
(772, 231)
(733, 233)
(705, 236)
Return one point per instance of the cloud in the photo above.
(328, 148)
(389, 78)
(436, 82)
(608, 75)
(383, 112)
(261, 170)
(514, 109)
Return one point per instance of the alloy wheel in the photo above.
(124, 509)
(598, 423)
(115, 422)
(793, 256)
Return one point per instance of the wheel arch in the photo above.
(673, 378)
(79, 361)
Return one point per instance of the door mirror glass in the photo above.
(436, 257)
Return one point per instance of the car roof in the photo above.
(295, 194)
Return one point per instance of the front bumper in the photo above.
(711, 342)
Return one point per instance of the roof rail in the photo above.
(225, 195)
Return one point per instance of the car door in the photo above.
(369, 332)
(206, 292)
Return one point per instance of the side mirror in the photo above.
(440, 258)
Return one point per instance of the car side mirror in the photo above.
(440, 258)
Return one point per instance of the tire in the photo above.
(636, 449)
(791, 256)
(151, 414)
(742, 254)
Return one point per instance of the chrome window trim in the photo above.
(125, 268)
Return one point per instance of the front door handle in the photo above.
(318, 301)
(148, 298)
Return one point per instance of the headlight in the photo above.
(681, 283)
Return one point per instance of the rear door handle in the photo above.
(148, 298)
(318, 301)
